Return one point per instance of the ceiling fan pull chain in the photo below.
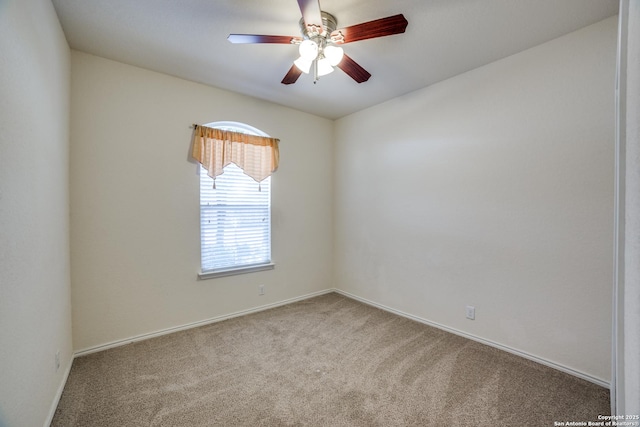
(315, 71)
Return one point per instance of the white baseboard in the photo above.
(490, 343)
(56, 399)
(166, 331)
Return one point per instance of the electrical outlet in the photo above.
(261, 290)
(57, 360)
(471, 312)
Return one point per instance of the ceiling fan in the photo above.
(319, 45)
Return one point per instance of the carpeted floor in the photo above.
(326, 361)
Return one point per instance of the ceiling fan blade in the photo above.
(292, 75)
(368, 30)
(311, 13)
(353, 69)
(257, 38)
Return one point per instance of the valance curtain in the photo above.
(257, 156)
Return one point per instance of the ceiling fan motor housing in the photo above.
(329, 25)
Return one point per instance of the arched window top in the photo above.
(218, 144)
(237, 127)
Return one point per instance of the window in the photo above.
(235, 218)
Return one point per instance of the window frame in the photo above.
(241, 269)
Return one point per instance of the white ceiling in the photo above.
(188, 39)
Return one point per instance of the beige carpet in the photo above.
(326, 361)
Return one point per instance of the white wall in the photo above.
(135, 245)
(492, 189)
(35, 312)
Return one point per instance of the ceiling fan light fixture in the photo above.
(308, 50)
(324, 67)
(303, 64)
(334, 54)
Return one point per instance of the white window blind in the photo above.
(235, 220)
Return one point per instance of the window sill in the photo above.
(203, 275)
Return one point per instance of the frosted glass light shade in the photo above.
(324, 67)
(333, 54)
(303, 64)
(308, 50)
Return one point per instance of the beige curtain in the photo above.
(257, 156)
